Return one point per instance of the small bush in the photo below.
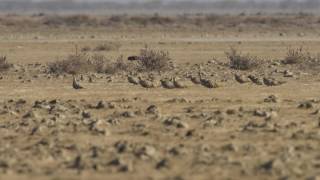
(79, 63)
(151, 60)
(241, 62)
(108, 47)
(4, 65)
(120, 65)
(296, 56)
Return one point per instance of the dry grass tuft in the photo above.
(4, 65)
(149, 60)
(242, 62)
(296, 56)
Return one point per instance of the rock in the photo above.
(101, 127)
(153, 109)
(272, 99)
(231, 111)
(128, 114)
(260, 113)
(86, 114)
(146, 151)
(101, 105)
(305, 105)
(288, 73)
(31, 114)
(175, 121)
(316, 177)
(121, 146)
(164, 163)
(229, 147)
(271, 115)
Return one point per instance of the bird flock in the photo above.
(166, 83)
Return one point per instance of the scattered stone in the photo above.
(175, 121)
(271, 115)
(260, 113)
(86, 114)
(164, 163)
(305, 105)
(128, 114)
(101, 105)
(101, 127)
(272, 99)
(153, 109)
(288, 73)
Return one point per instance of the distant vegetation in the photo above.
(152, 6)
(174, 21)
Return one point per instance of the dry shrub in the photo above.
(296, 56)
(109, 46)
(120, 65)
(79, 63)
(241, 62)
(149, 60)
(4, 65)
(152, 60)
(85, 63)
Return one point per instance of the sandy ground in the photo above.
(116, 130)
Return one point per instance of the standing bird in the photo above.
(145, 83)
(178, 84)
(167, 84)
(133, 80)
(195, 80)
(256, 79)
(75, 84)
(207, 82)
(241, 78)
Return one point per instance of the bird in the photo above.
(195, 80)
(133, 80)
(167, 84)
(272, 82)
(145, 83)
(241, 78)
(256, 79)
(178, 84)
(76, 84)
(207, 82)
